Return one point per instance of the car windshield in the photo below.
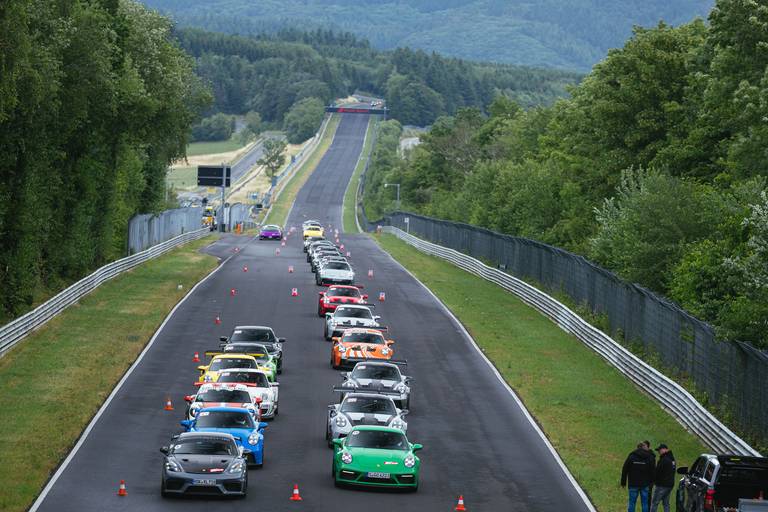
(270, 228)
(337, 265)
(368, 405)
(343, 292)
(231, 362)
(376, 372)
(354, 313)
(248, 348)
(364, 337)
(224, 419)
(204, 446)
(261, 334)
(245, 377)
(224, 395)
(381, 440)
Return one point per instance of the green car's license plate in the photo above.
(376, 474)
(204, 482)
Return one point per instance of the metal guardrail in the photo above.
(15, 331)
(670, 395)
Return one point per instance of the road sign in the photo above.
(211, 175)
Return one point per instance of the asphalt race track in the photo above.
(477, 441)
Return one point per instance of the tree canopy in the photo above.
(655, 167)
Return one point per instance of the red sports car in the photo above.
(338, 294)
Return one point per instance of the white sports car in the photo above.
(258, 386)
(349, 315)
(362, 409)
(335, 272)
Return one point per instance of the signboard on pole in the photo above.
(212, 175)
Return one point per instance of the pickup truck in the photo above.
(716, 483)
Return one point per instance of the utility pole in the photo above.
(397, 201)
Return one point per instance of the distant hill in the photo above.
(567, 34)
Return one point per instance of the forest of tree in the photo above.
(269, 74)
(550, 33)
(655, 167)
(95, 101)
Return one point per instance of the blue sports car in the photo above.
(238, 422)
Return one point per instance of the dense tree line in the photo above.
(270, 74)
(552, 33)
(655, 167)
(95, 101)
(216, 127)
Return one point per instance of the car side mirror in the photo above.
(345, 375)
(683, 470)
(365, 297)
(328, 315)
(331, 407)
(263, 425)
(376, 317)
(202, 368)
(321, 293)
(223, 338)
(337, 442)
(187, 423)
(404, 412)
(274, 384)
(188, 398)
(165, 450)
(390, 342)
(281, 340)
(244, 452)
(417, 447)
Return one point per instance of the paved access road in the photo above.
(477, 440)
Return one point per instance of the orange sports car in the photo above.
(358, 344)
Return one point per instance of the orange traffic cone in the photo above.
(460, 505)
(277, 252)
(296, 496)
(349, 254)
(245, 268)
(282, 244)
(370, 273)
(121, 491)
(168, 405)
(233, 292)
(196, 357)
(382, 297)
(290, 269)
(294, 292)
(217, 320)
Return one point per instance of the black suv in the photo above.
(717, 482)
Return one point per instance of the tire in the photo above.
(277, 410)
(163, 492)
(245, 488)
(325, 334)
(320, 311)
(259, 466)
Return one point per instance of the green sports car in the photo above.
(376, 456)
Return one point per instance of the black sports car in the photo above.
(206, 463)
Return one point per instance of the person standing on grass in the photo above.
(647, 447)
(637, 472)
(664, 478)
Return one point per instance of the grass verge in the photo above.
(589, 411)
(278, 212)
(215, 147)
(348, 214)
(72, 363)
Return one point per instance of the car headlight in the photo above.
(341, 421)
(346, 458)
(401, 388)
(253, 439)
(398, 424)
(207, 378)
(384, 351)
(237, 467)
(172, 465)
(409, 461)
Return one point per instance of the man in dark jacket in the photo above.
(664, 478)
(638, 474)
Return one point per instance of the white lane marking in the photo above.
(498, 375)
(84, 436)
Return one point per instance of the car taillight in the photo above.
(709, 500)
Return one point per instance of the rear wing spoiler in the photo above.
(358, 286)
(249, 384)
(213, 353)
(348, 325)
(344, 390)
(398, 362)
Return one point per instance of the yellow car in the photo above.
(264, 361)
(219, 363)
(313, 230)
